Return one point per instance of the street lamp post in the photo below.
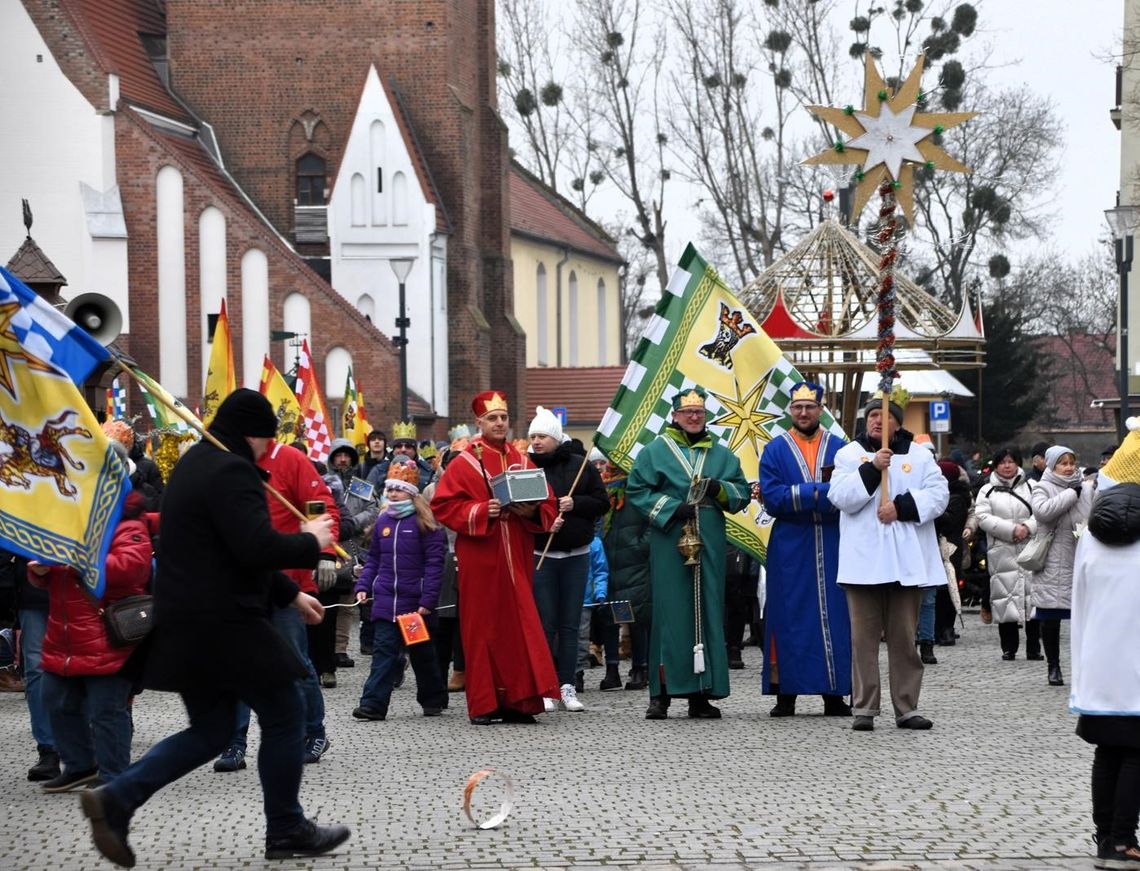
(402, 266)
(1122, 220)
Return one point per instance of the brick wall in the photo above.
(252, 69)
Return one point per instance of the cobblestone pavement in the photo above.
(999, 783)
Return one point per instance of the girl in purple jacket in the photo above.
(402, 575)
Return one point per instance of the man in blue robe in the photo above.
(807, 633)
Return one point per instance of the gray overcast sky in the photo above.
(1064, 48)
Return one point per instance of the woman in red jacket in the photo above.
(86, 699)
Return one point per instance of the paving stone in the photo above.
(999, 784)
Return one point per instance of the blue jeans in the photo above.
(33, 626)
(387, 644)
(91, 721)
(559, 587)
(279, 711)
(289, 623)
(926, 614)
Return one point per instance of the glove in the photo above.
(713, 489)
(325, 575)
(685, 511)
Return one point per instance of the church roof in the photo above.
(541, 213)
(114, 31)
(32, 266)
(423, 171)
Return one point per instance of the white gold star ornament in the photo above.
(889, 137)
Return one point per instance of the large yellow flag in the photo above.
(61, 486)
(274, 388)
(221, 377)
(701, 334)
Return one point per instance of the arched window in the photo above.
(310, 180)
(366, 306)
(358, 199)
(572, 315)
(541, 331)
(603, 332)
(399, 199)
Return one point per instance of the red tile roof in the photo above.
(1084, 369)
(111, 30)
(540, 213)
(586, 392)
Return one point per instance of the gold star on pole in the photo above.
(889, 136)
(745, 418)
(11, 349)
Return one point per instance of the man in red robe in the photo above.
(509, 669)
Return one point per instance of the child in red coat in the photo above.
(86, 699)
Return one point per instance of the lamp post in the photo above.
(1122, 220)
(402, 266)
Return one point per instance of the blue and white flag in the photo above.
(49, 334)
(61, 486)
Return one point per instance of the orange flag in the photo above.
(314, 415)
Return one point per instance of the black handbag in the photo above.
(128, 620)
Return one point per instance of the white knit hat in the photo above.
(546, 423)
(596, 455)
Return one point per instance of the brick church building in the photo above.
(280, 155)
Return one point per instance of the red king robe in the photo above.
(508, 659)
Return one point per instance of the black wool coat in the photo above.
(590, 498)
(218, 576)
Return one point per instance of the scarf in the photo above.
(403, 509)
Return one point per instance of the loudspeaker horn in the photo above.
(98, 315)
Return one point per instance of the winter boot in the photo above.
(612, 680)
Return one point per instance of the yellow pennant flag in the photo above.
(354, 425)
(284, 401)
(221, 377)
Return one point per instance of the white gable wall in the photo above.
(378, 212)
(53, 143)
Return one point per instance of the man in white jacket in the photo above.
(888, 551)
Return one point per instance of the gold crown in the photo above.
(692, 399)
(804, 392)
(403, 429)
(495, 403)
(900, 396)
(404, 471)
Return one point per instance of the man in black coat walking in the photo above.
(213, 642)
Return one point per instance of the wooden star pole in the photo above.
(890, 135)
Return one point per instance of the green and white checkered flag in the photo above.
(702, 335)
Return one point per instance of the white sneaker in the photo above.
(570, 699)
(548, 705)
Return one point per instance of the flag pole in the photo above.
(885, 355)
(194, 424)
(550, 537)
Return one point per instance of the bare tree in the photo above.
(636, 290)
(624, 55)
(1011, 147)
(531, 92)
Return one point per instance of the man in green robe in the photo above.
(687, 654)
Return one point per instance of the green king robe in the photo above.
(658, 484)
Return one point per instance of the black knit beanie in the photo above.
(246, 413)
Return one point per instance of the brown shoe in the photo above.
(457, 683)
(987, 616)
(10, 681)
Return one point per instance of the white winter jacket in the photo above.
(1059, 509)
(1002, 505)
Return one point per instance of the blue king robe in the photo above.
(806, 611)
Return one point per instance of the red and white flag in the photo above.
(314, 415)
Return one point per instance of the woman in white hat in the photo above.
(560, 585)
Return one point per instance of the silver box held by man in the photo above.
(520, 486)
